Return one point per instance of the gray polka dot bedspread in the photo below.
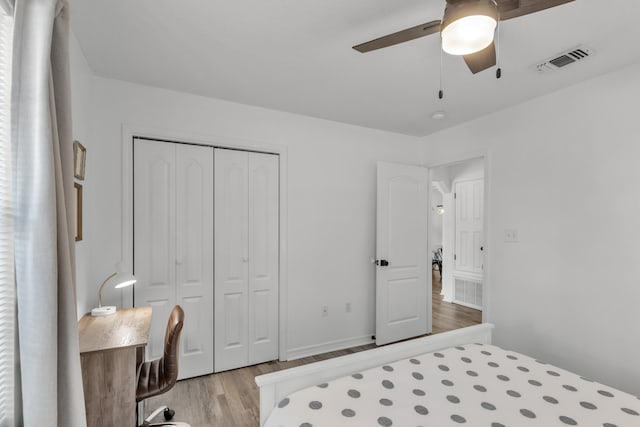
(471, 385)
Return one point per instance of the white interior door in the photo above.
(403, 305)
(173, 246)
(154, 235)
(263, 257)
(194, 257)
(231, 259)
(469, 198)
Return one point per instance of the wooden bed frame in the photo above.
(277, 385)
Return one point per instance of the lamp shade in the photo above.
(122, 280)
(117, 280)
(468, 27)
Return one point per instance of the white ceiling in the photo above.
(296, 56)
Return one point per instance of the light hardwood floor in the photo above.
(230, 399)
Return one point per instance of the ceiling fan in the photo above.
(467, 28)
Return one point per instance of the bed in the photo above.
(451, 379)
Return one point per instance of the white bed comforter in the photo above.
(471, 385)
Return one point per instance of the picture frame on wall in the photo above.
(78, 198)
(79, 159)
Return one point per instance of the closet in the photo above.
(206, 237)
(246, 258)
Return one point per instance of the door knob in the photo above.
(382, 262)
(245, 259)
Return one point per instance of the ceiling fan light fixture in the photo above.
(468, 26)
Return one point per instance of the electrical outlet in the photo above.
(325, 311)
(511, 235)
(347, 307)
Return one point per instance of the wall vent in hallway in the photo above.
(468, 292)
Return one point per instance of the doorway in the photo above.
(456, 244)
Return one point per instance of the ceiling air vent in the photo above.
(562, 60)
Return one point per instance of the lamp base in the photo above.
(104, 311)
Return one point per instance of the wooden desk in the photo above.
(111, 348)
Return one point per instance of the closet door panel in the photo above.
(231, 259)
(154, 231)
(263, 257)
(194, 257)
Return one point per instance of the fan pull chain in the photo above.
(440, 92)
(499, 70)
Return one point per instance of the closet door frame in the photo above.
(129, 132)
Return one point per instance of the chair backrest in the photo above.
(172, 344)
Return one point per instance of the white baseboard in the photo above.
(312, 350)
(475, 307)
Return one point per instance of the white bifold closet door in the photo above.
(246, 258)
(173, 246)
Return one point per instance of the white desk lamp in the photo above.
(120, 280)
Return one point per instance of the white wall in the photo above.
(82, 78)
(563, 170)
(331, 192)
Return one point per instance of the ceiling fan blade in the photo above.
(509, 9)
(400, 37)
(482, 60)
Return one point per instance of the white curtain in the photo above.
(49, 375)
(7, 279)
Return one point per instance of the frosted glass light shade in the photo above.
(468, 35)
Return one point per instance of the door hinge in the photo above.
(455, 195)
(455, 257)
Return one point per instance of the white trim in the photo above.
(464, 304)
(487, 244)
(130, 131)
(277, 385)
(430, 213)
(312, 350)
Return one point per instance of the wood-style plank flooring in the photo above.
(448, 316)
(230, 399)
